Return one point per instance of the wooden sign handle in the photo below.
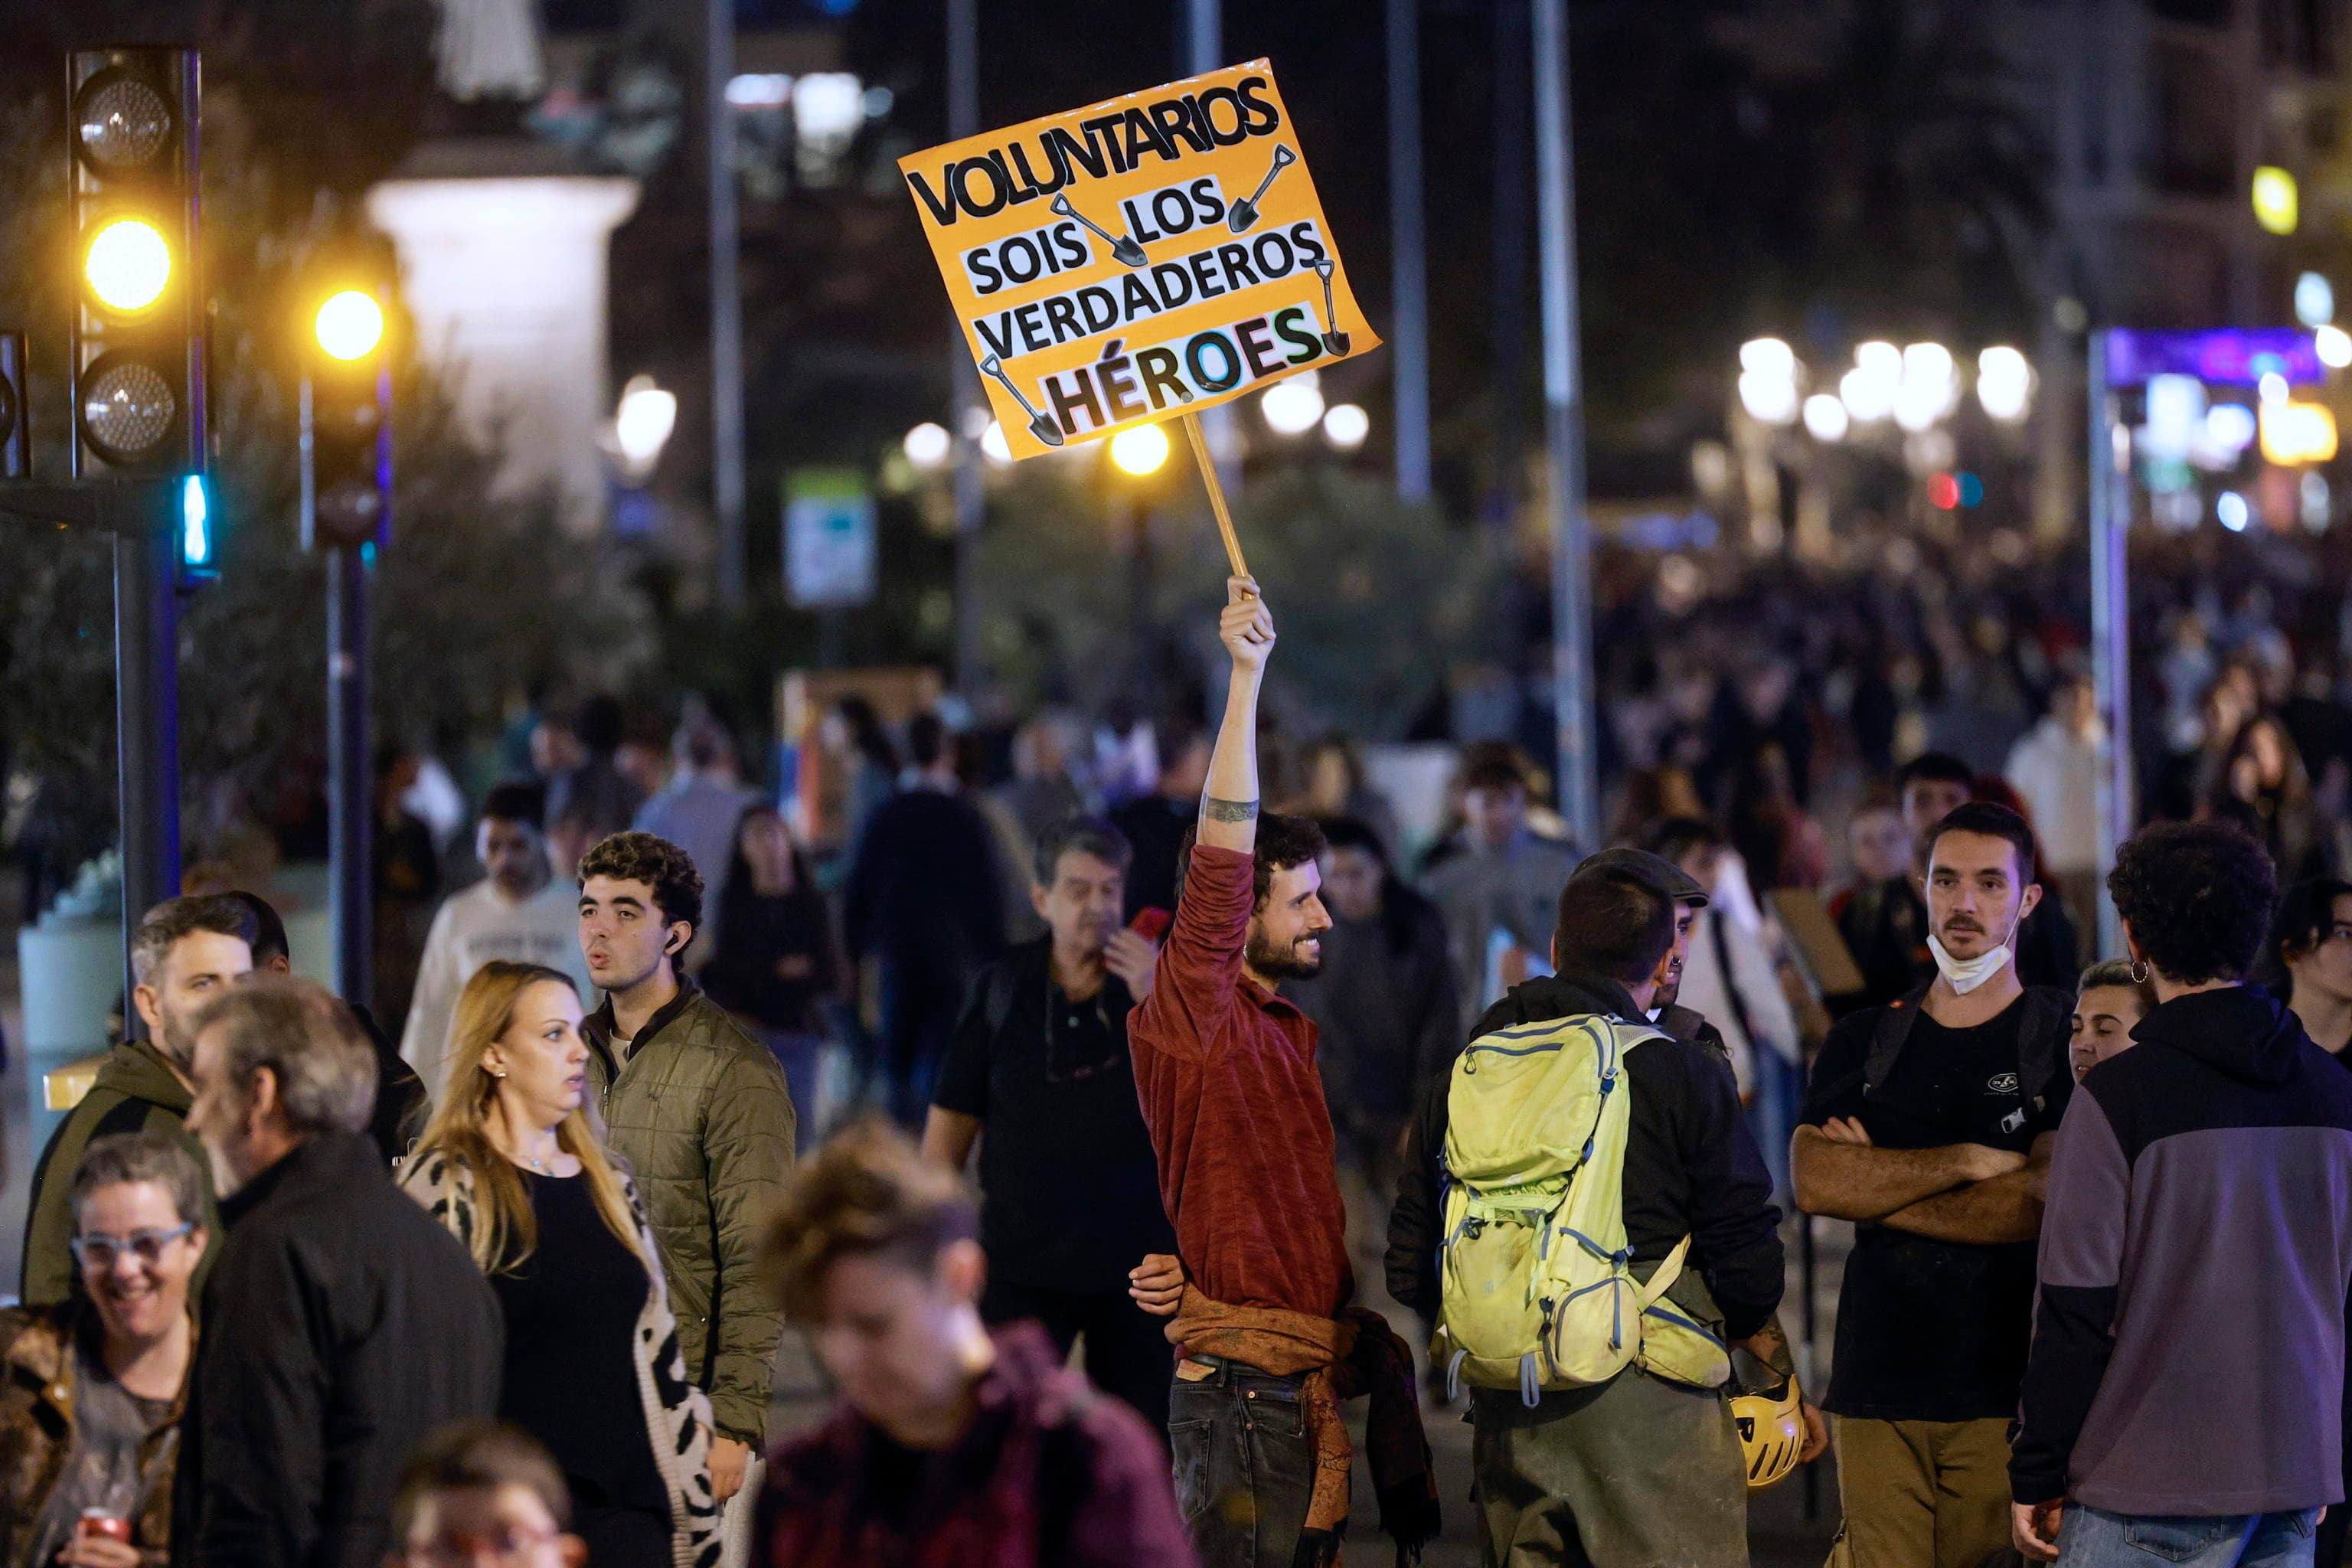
(1191, 423)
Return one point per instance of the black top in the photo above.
(923, 890)
(1692, 1168)
(1933, 1330)
(572, 1368)
(1156, 827)
(1070, 1190)
(343, 1325)
(756, 934)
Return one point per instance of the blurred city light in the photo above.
(1768, 396)
(828, 105)
(1346, 425)
(1929, 388)
(2312, 496)
(2175, 406)
(2229, 427)
(762, 90)
(2231, 511)
(2277, 204)
(1769, 356)
(992, 445)
(1825, 416)
(2297, 433)
(195, 524)
(1868, 389)
(1943, 492)
(2004, 382)
(348, 325)
(926, 445)
(642, 425)
(1140, 449)
(2334, 346)
(2272, 388)
(1292, 408)
(128, 264)
(2315, 300)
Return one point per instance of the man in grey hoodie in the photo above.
(2183, 1397)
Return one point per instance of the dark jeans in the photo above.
(1244, 1473)
(1126, 1348)
(919, 1009)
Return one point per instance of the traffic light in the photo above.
(16, 428)
(347, 426)
(137, 356)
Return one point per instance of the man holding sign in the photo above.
(1225, 1068)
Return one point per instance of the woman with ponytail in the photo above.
(514, 1163)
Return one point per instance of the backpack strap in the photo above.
(2041, 1042)
(1886, 1041)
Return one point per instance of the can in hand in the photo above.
(112, 1525)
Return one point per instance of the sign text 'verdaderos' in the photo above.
(1153, 255)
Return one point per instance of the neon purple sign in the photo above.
(2224, 356)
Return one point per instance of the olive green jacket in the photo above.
(700, 1112)
(135, 1091)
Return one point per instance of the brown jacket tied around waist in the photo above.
(1335, 1358)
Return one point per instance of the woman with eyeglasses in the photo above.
(92, 1390)
(514, 1165)
(2312, 939)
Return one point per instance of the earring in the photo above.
(498, 1072)
(2139, 971)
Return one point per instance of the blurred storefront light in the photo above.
(2277, 202)
(2004, 382)
(1826, 417)
(2294, 433)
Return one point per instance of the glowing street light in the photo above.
(642, 425)
(1292, 408)
(2334, 346)
(1826, 417)
(1346, 425)
(348, 325)
(926, 445)
(2277, 202)
(2315, 300)
(993, 447)
(1769, 356)
(1868, 389)
(128, 264)
(2004, 382)
(1140, 448)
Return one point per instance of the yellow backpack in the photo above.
(1536, 1290)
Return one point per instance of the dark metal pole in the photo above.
(971, 406)
(726, 312)
(1579, 787)
(351, 811)
(1409, 291)
(1510, 252)
(146, 722)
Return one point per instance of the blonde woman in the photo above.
(513, 1164)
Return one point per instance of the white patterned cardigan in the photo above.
(677, 1413)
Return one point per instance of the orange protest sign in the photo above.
(1143, 257)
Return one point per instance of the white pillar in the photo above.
(506, 281)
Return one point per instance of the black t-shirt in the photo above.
(1070, 1191)
(1934, 1330)
(572, 1369)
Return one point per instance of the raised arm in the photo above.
(1838, 1174)
(1230, 804)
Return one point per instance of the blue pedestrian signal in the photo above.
(196, 545)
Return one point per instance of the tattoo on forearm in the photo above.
(1217, 810)
(1770, 1346)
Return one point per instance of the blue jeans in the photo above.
(1245, 1472)
(2089, 1538)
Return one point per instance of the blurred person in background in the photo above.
(1042, 794)
(777, 959)
(699, 810)
(1652, 796)
(2055, 770)
(925, 908)
(1883, 922)
(1039, 1075)
(1498, 886)
(92, 1390)
(480, 1487)
(2311, 940)
(1155, 823)
(568, 839)
(513, 1167)
(519, 912)
(1781, 845)
(594, 785)
(1333, 783)
(185, 953)
(340, 1325)
(2048, 948)
(2261, 787)
(951, 1443)
(1389, 1018)
(407, 884)
(2110, 1003)
(401, 1102)
(856, 752)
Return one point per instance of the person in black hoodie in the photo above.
(777, 959)
(1638, 1469)
(342, 1324)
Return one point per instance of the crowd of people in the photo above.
(1125, 1069)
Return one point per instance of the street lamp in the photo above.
(348, 325)
(926, 445)
(1292, 408)
(641, 425)
(2334, 346)
(2277, 202)
(1826, 417)
(1141, 450)
(2004, 382)
(1346, 425)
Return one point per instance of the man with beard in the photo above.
(1039, 1064)
(1930, 1123)
(185, 953)
(1226, 1067)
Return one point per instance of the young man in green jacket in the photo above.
(186, 952)
(698, 1108)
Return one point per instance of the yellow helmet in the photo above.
(1772, 1431)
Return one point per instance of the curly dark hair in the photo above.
(658, 864)
(2198, 897)
(1282, 842)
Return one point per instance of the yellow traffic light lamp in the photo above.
(127, 265)
(348, 325)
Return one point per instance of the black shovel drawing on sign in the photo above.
(1334, 341)
(1123, 247)
(1044, 429)
(1243, 212)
